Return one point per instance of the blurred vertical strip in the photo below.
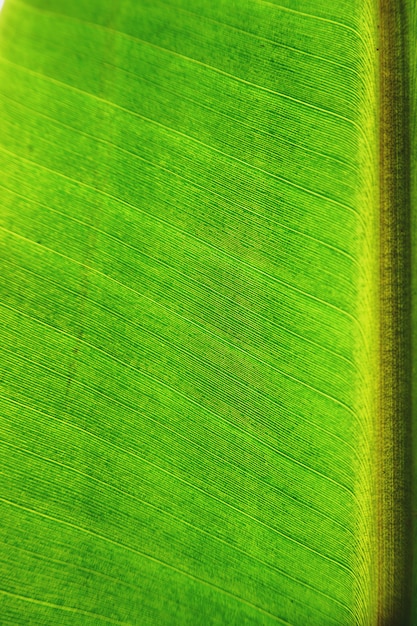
(396, 327)
(412, 76)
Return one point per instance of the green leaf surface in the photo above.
(189, 312)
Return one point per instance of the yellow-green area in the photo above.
(189, 312)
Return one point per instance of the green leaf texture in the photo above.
(189, 317)
(411, 14)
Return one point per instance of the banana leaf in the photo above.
(206, 320)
